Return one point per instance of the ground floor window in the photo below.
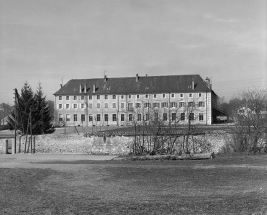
(114, 117)
(156, 116)
(147, 117)
(98, 117)
(139, 117)
(60, 117)
(75, 117)
(130, 117)
(122, 117)
(182, 116)
(67, 117)
(173, 116)
(106, 117)
(201, 117)
(90, 118)
(82, 117)
(165, 117)
(191, 116)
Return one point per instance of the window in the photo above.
(82, 106)
(130, 96)
(97, 96)
(67, 117)
(165, 117)
(67, 106)
(201, 104)
(60, 98)
(90, 118)
(106, 96)
(60, 106)
(114, 117)
(122, 117)
(182, 116)
(164, 95)
(106, 105)
(181, 95)
(173, 116)
(130, 117)
(181, 104)
(155, 96)
(98, 105)
(98, 117)
(155, 105)
(67, 98)
(130, 106)
(201, 117)
(75, 117)
(113, 105)
(139, 117)
(122, 105)
(164, 104)
(82, 117)
(191, 104)
(191, 116)
(146, 96)
(106, 117)
(75, 97)
(190, 95)
(75, 106)
(137, 96)
(90, 105)
(138, 105)
(114, 96)
(90, 97)
(122, 96)
(172, 95)
(199, 95)
(60, 117)
(147, 105)
(82, 97)
(173, 104)
(147, 117)
(156, 116)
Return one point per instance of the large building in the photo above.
(122, 101)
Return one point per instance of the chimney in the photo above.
(208, 82)
(60, 85)
(85, 88)
(105, 78)
(193, 84)
(80, 88)
(136, 78)
(94, 88)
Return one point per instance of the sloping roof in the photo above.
(129, 85)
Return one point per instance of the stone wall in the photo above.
(78, 144)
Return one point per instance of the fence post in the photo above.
(13, 145)
(5, 147)
(33, 145)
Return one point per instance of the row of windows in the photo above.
(122, 96)
(138, 105)
(131, 117)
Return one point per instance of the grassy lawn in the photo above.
(225, 185)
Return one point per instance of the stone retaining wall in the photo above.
(78, 144)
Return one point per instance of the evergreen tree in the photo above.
(41, 114)
(31, 107)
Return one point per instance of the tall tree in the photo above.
(41, 114)
(31, 108)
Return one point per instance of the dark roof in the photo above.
(129, 85)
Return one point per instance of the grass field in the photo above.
(225, 185)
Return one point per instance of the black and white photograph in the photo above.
(133, 107)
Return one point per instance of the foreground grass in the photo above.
(227, 185)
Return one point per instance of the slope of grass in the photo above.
(228, 185)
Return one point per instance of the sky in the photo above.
(53, 41)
